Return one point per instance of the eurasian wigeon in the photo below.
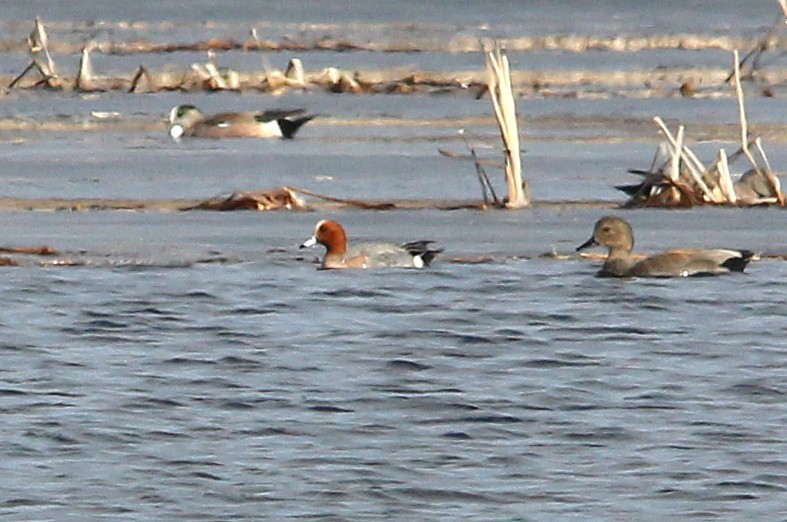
(187, 120)
(331, 234)
(617, 235)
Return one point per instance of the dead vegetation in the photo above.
(501, 93)
(679, 179)
(17, 255)
(210, 76)
(676, 179)
(293, 198)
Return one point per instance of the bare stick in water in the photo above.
(502, 94)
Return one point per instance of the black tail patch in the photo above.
(421, 248)
(290, 126)
(738, 264)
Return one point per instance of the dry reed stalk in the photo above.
(742, 110)
(690, 160)
(675, 156)
(725, 180)
(41, 60)
(773, 181)
(85, 77)
(765, 173)
(502, 94)
(142, 81)
(483, 178)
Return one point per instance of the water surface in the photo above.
(197, 365)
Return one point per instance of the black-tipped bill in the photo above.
(309, 242)
(587, 244)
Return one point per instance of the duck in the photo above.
(618, 236)
(188, 120)
(331, 234)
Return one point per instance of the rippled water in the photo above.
(261, 388)
(197, 365)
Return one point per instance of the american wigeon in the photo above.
(617, 235)
(331, 234)
(187, 120)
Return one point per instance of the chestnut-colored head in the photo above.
(330, 234)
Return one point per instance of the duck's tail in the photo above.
(421, 249)
(738, 264)
(289, 126)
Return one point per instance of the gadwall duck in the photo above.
(187, 120)
(617, 235)
(332, 236)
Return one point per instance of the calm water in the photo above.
(197, 366)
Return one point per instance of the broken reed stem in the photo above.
(22, 75)
(502, 94)
(735, 155)
(39, 41)
(690, 158)
(483, 179)
(742, 114)
(85, 74)
(725, 180)
(766, 172)
(741, 106)
(675, 156)
(773, 181)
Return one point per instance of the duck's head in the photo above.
(612, 232)
(330, 234)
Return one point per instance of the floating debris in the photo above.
(34, 251)
(282, 198)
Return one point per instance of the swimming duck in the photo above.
(618, 236)
(332, 236)
(187, 120)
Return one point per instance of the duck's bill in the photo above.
(309, 242)
(587, 244)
